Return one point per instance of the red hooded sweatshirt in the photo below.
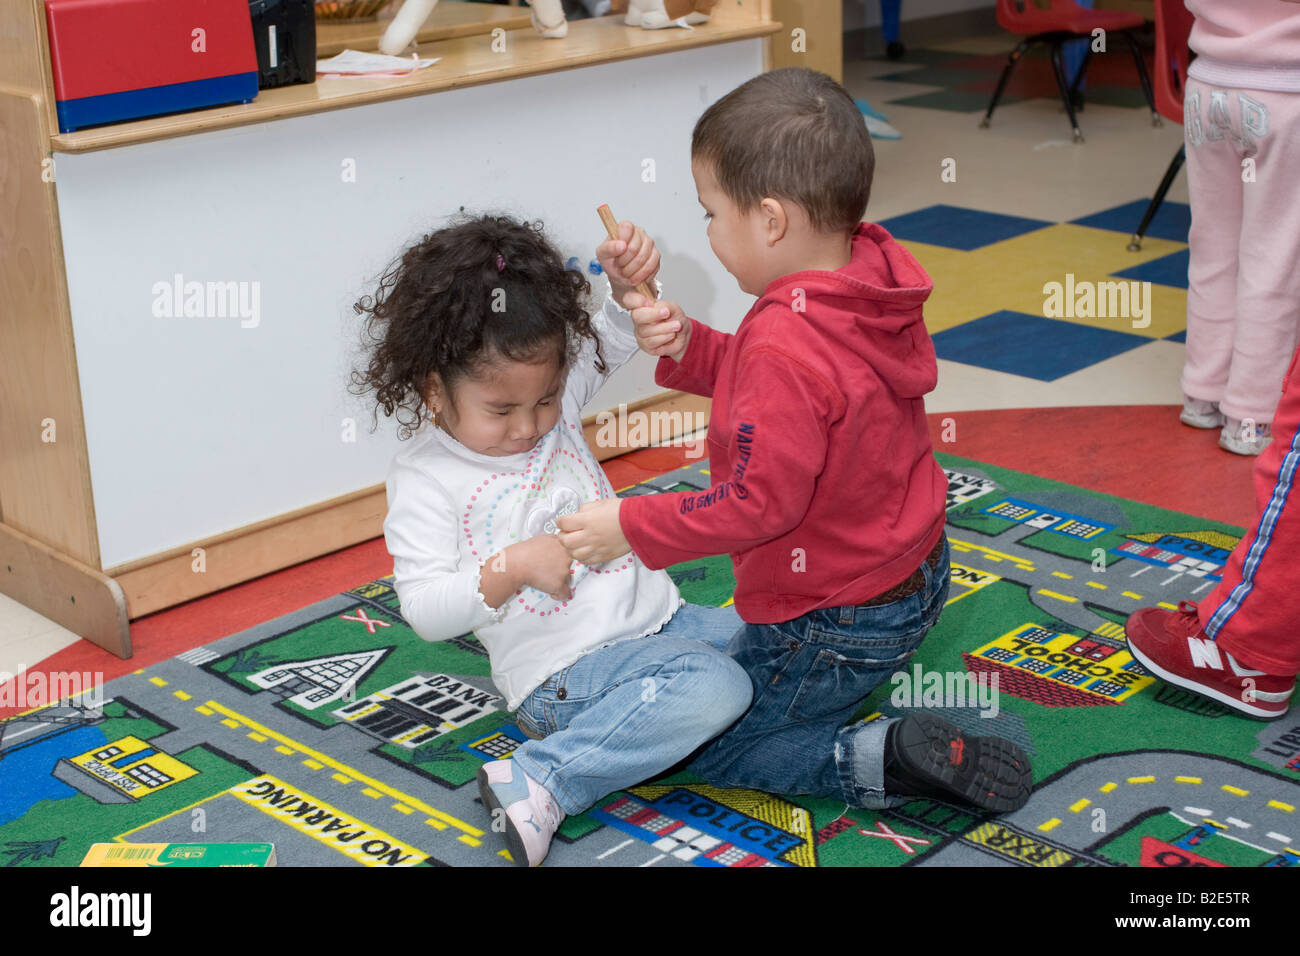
(825, 487)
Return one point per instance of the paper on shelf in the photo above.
(356, 63)
(679, 22)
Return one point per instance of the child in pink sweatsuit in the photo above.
(1242, 128)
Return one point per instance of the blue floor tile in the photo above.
(1172, 219)
(1167, 270)
(1030, 345)
(957, 228)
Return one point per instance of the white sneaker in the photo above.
(1241, 439)
(526, 810)
(1201, 414)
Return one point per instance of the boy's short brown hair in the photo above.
(791, 134)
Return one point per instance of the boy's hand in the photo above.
(628, 260)
(661, 327)
(547, 567)
(593, 535)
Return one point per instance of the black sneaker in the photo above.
(927, 756)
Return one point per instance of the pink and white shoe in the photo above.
(1244, 438)
(1199, 413)
(521, 808)
(1173, 646)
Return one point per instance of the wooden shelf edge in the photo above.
(290, 101)
(87, 602)
(179, 575)
(45, 486)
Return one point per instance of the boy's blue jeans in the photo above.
(809, 676)
(628, 711)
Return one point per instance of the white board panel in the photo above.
(199, 425)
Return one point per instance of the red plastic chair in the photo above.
(1173, 27)
(1057, 23)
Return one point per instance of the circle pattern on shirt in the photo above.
(502, 493)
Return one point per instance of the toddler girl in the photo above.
(480, 334)
(1242, 130)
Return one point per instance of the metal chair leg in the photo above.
(1135, 244)
(1058, 67)
(1156, 120)
(1014, 58)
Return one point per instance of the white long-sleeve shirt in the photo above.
(450, 509)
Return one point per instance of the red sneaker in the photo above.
(1173, 646)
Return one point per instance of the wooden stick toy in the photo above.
(611, 226)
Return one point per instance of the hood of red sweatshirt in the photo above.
(872, 306)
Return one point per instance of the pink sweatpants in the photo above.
(1243, 296)
(1254, 613)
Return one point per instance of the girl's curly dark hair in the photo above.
(444, 306)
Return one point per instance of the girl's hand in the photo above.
(628, 260)
(547, 567)
(539, 562)
(661, 327)
(593, 535)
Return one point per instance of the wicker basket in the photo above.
(348, 11)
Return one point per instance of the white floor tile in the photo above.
(27, 638)
(1024, 165)
(1147, 375)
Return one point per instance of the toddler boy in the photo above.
(826, 492)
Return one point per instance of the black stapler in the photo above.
(284, 32)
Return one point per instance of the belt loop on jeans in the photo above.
(847, 612)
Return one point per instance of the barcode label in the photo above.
(129, 853)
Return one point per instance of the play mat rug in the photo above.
(338, 735)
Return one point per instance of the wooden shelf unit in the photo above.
(49, 538)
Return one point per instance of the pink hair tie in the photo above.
(501, 262)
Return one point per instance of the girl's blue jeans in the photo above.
(778, 697)
(628, 711)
